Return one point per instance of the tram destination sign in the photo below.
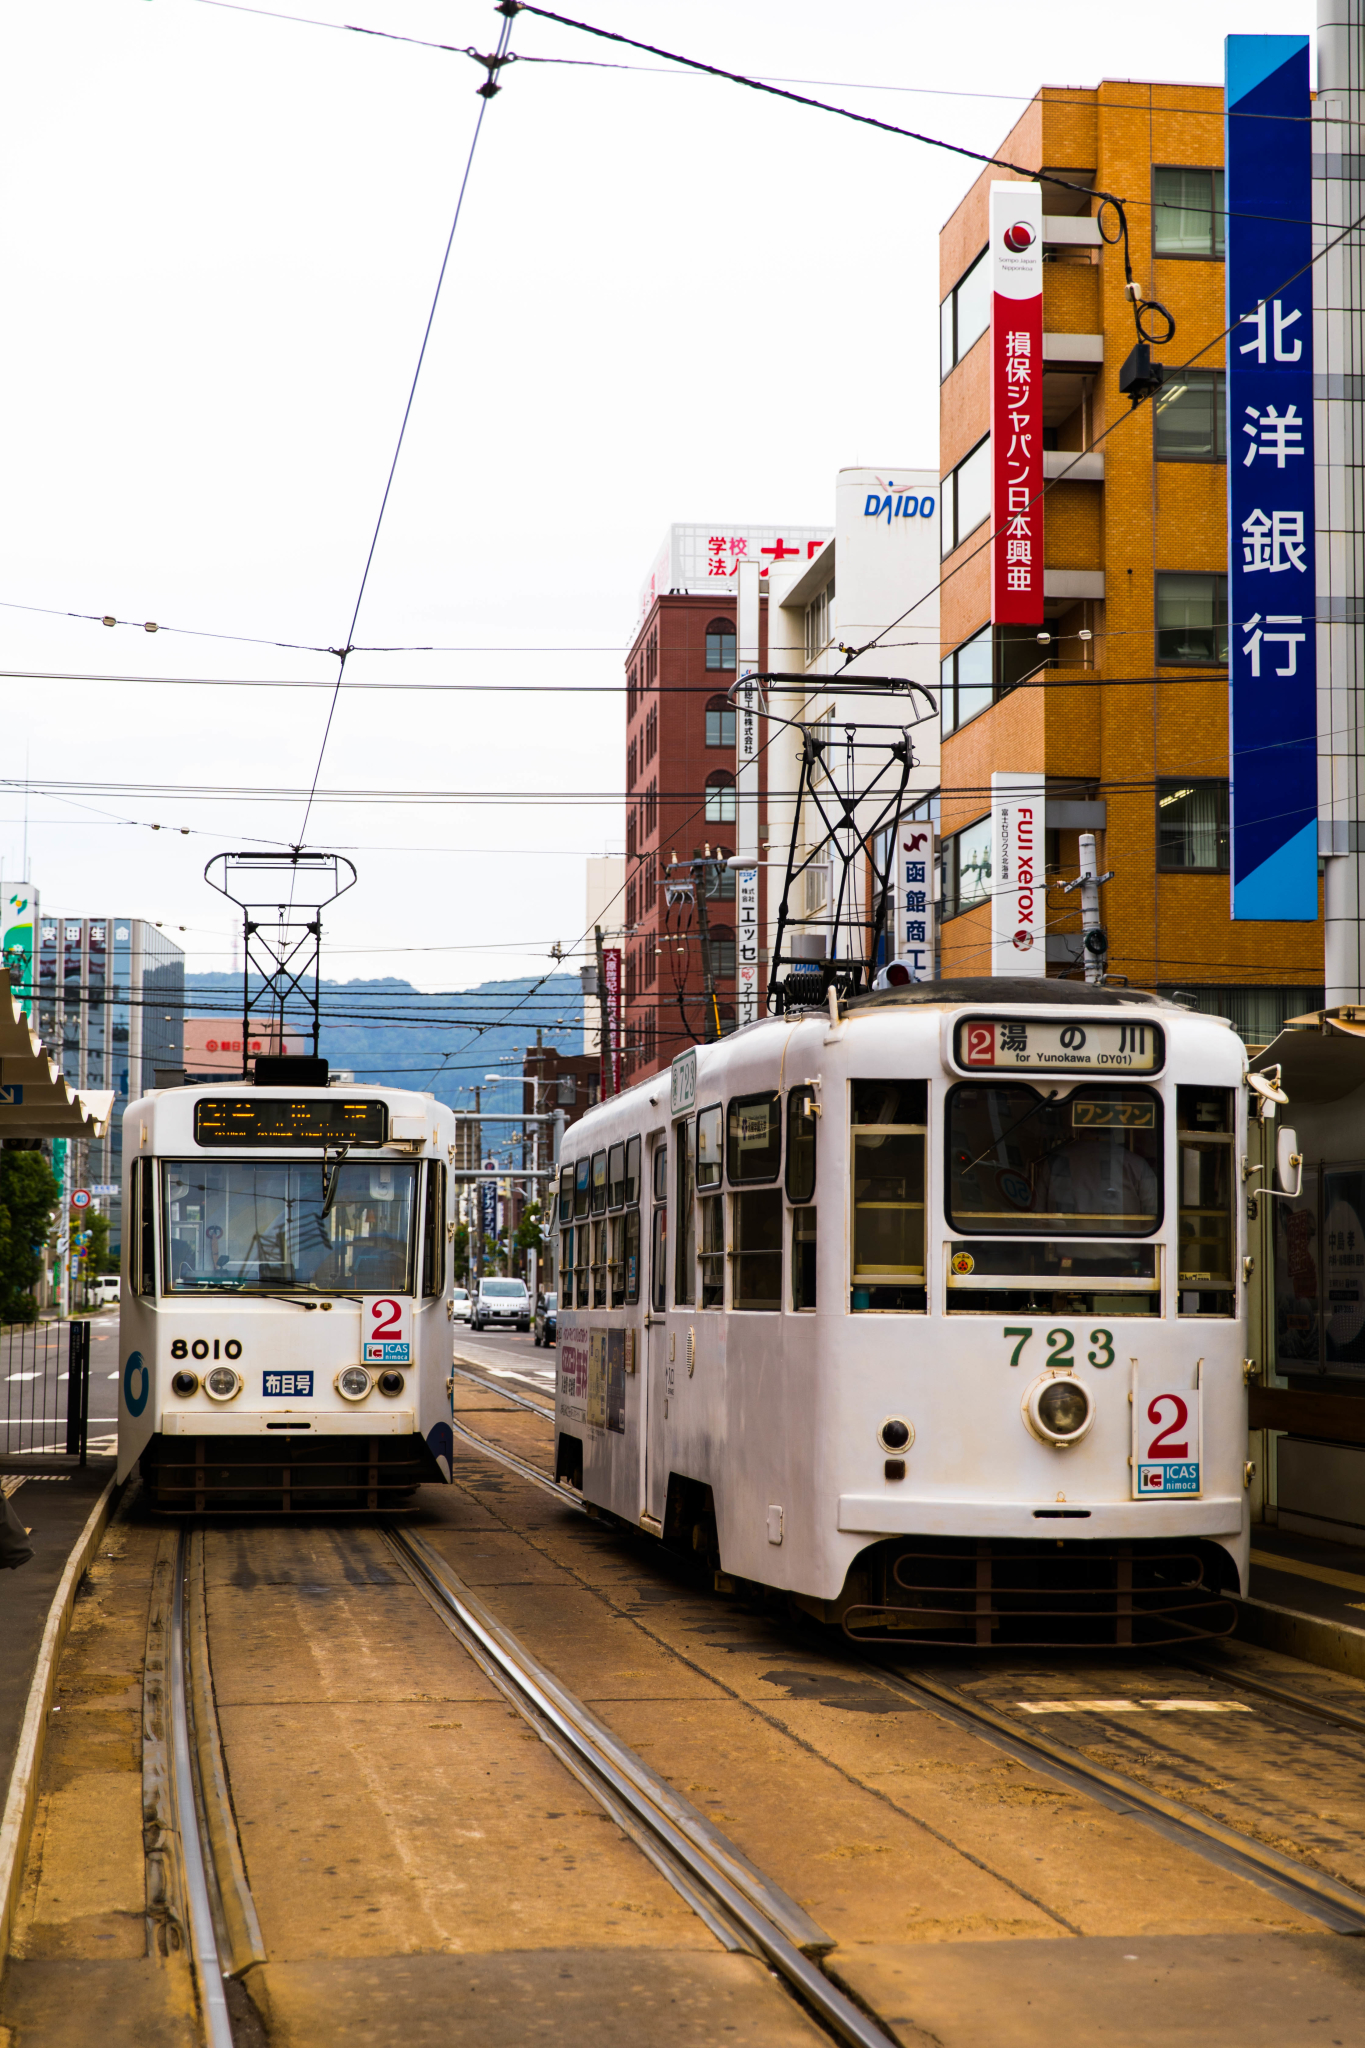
(301, 1120)
(1054, 1046)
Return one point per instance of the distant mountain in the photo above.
(388, 1031)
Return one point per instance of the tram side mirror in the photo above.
(1288, 1161)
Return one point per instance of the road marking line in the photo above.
(1296, 1568)
(1127, 1706)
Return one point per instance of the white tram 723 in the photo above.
(284, 1331)
(927, 1311)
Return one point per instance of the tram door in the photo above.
(657, 1371)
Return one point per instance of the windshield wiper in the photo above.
(329, 1187)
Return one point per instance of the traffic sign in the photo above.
(12, 1095)
(81, 1199)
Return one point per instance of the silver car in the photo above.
(503, 1304)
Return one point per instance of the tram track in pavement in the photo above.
(198, 1897)
(1315, 1893)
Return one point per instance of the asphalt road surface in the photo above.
(33, 1421)
(507, 1355)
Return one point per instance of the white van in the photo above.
(103, 1291)
(502, 1303)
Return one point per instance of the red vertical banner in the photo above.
(1016, 260)
(611, 977)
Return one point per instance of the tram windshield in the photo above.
(1030, 1160)
(262, 1226)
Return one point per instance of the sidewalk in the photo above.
(55, 1502)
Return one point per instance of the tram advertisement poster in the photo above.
(607, 1380)
(385, 1329)
(1167, 1431)
(573, 1372)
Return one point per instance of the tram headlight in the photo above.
(185, 1384)
(390, 1383)
(1059, 1409)
(353, 1384)
(222, 1384)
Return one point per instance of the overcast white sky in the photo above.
(668, 299)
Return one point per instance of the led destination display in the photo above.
(1088, 1048)
(303, 1120)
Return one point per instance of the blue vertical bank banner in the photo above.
(1272, 645)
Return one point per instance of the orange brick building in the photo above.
(1124, 708)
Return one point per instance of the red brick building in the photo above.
(680, 798)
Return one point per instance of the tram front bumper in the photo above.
(234, 1421)
(878, 1514)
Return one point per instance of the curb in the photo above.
(1334, 1645)
(17, 1825)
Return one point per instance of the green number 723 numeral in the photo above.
(1103, 1340)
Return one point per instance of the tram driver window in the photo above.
(888, 1136)
(801, 1126)
(1205, 1138)
(146, 1230)
(710, 1207)
(434, 1232)
(753, 1149)
(658, 1257)
(684, 1279)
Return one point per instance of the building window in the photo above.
(967, 868)
(966, 496)
(720, 722)
(967, 681)
(820, 622)
(632, 763)
(720, 797)
(965, 314)
(1191, 418)
(720, 644)
(1255, 1014)
(1192, 827)
(722, 952)
(1187, 212)
(1191, 618)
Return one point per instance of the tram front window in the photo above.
(1030, 1160)
(260, 1226)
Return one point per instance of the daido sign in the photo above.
(1018, 887)
(889, 503)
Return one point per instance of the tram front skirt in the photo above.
(290, 1475)
(985, 1593)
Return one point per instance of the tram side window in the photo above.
(888, 1130)
(658, 1257)
(632, 1193)
(631, 1224)
(599, 1183)
(434, 1232)
(684, 1276)
(801, 1128)
(1205, 1139)
(710, 1208)
(801, 1122)
(146, 1230)
(753, 1139)
(756, 1260)
(581, 1240)
(599, 1263)
(582, 1186)
(616, 1177)
(566, 1234)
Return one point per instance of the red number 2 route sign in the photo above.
(385, 1330)
(1166, 1432)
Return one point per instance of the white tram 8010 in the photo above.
(926, 1310)
(284, 1328)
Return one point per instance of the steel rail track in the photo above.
(1313, 1893)
(471, 1372)
(741, 1906)
(197, 1886)
(1282, 1695)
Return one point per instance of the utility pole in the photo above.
(700, 867)
(1094, 940)
(476, 1207)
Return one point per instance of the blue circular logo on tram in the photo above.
(136, 1402)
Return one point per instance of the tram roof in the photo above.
(1011, 992)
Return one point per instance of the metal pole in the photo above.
(1339, 295)
(604, 1023)
(476, 1219)
(1090, 907)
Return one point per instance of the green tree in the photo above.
(98, 1257)
(29, 1197)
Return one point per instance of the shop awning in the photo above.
(1321, 1060)
(36, 1100)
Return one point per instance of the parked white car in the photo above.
(503, 1304)
(459, 1307)
(103, 1291)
